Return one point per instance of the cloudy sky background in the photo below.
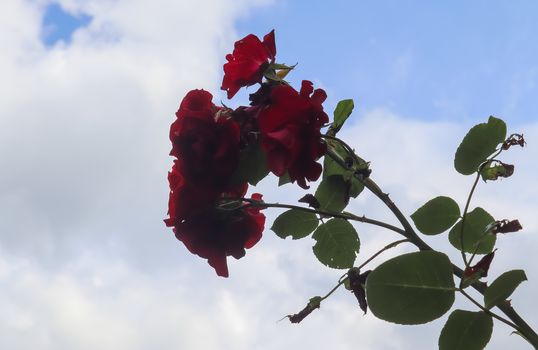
(89, 89)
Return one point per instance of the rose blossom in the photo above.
(290, 128)
(205, 140)
(187, 199)
(247, 63)
(216, 234)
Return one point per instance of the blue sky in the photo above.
(58, 24)
(84, 125)
(429, 60)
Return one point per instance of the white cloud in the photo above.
(84, 127)
(86, 261)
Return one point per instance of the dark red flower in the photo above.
(357, 280)
(248, 61)
(217, 234)
(481, 268)
(262, 96)
(205, 141)
(506, 226)
(514, 139)
(247, 119)
(187, 199)
(290, 128)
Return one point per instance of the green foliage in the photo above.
(467, 281)
(412, 288)
(436, 216)
(466, 330)
(252, 165)
(474, 233)
(492, 170)
(355, 187)
(337, 244)
(479, 143)
(503, 287)
(295, 223)
(332, 194)
(330, 167)
(341, 113)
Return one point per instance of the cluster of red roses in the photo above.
(208, 141)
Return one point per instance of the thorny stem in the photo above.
(410, 234)
(347, 147)
(342, 281)
(387, 247)
(407, 231)
(468, 262)
(344, 215)
(475, 251)
(467, 203)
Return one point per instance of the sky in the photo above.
(89, 90)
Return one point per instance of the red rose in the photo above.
(187, 199)
(248, 61)
(215, 235)
(205, 140)
(290, 128)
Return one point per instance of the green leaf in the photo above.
(295, 223)
(469, 280)
(475, 232)
(330, 167)
(341, 113)
(479, 143)
(412, 288)
(332, 194)
(281, 66)
(436, 216)
(466, 330)
(503, 287)
(252, 165)
(337, 244)
(284, 179)
(355, 186)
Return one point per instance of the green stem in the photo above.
(334, 289)
(347, 216)
(387, 247)
(475, 183)
(347, 147)
(489, 312)
(408, 231)
(467, 203)
(342, 280)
